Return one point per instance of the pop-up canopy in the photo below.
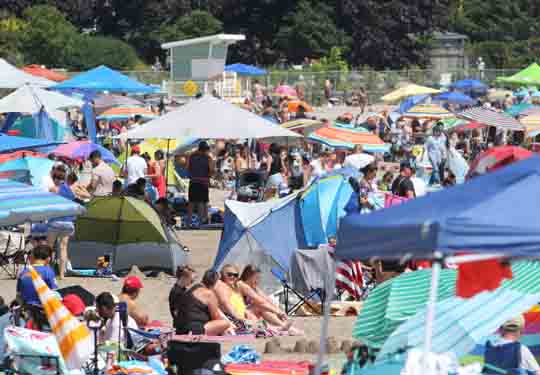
(12, 78)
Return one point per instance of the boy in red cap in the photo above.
(130, 292)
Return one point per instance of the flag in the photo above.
(349, 275)
(485, 275)
(73, 337)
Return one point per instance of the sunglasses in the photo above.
(233, 274)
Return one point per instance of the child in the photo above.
(39, 260)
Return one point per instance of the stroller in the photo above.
(250, 186)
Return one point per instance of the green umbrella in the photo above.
(396, 300)
(452, 122)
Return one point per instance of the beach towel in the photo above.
(241, 354)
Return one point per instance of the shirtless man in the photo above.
(130, 291)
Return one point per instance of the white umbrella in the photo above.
(13, 78)
(30, 99)
(209, 118)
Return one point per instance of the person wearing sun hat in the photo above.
(507, 353)
(130, 292)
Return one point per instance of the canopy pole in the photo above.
(330, 283)
(430, 315)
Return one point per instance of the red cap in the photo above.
(133, 282)
(135, 148)
(74, 304)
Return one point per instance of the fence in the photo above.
(376, 83)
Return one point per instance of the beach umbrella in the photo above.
(491, 118)
(452, 122)
(245, 70)
(407, 91)
(461, 324)
(81, 150)
(531, 122)
(410, 102)
(518, 109)
(293, 106)
(41, 71)
(497, 157)
(428, 111)
(285, 90)
(37, 165)
(30, 99)
(126, 112)
(341, 138)
(533, 110)
(469, 85)
(302, 124)
(103, 102)
(469, 126)
(455, 97)
(86, 296)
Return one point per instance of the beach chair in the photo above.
(13, 257)
(303, 300)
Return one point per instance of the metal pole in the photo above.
(329, 291)
(167, 166)
(430, 314)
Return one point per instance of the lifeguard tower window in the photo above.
(199, 58)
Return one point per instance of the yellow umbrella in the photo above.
(409, 90)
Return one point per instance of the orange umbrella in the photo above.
(122, 113)
(40, 71)
(294, 104)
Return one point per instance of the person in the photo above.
(201, 167)
(103, 176)
(39, 260)
(230, 299)
(153, 173)
(508, 102)
(367, 186)
(437, 153)
(385, 184)
(185, 276)
(402, 185)
(328, 91)
(301, 112)
(47, 182)
(274, 167)
(160, 181)
(257, 302)
(362, 99)
(420, 188)
(198, 309)
(61, 228)
(135, 166)
(507, 353)
(318, 165)
(111, 330)
(138, 190)
(164, 211)
(130, 292)
(358, 159)
(240, 162)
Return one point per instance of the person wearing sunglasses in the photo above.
(230, 298)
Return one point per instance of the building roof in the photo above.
(224, 38)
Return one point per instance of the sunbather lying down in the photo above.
(242, 301)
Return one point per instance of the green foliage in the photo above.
(196, 24)
(98, 50)
(333, 62)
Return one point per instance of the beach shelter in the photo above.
(491, 118)
(407, 91)
(26, 126)
(266, 234)
(13, 78)
(130, 231)
(21, 203)
(518, 109)
(497, 157)
(455, 97)
(104, 78)
(126, 112)
(341, 138)
(411, 101)
(34, 164)
(31, 99)
(528, 76)
(469, 85)
(245, 70)
(10, 143)
(41, 71)
(208, 118)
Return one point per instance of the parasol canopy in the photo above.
(339, 137)
(103, 102)
(455, 97)
(81, 150)
(528, 76)
(126, 112)
(497, 157)
(31, 99)
(492, 118)
(409, 90)
(428, 111)
(469, 85)
(36, 165)
(285, 90)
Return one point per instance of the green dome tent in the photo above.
(527, 77)
(129, 230)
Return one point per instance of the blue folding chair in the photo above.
(302, 300)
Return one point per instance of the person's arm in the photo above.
(528, 362)
(223, 295)
(211, 166)
(410, 188)
(257, 300)
(269, 160)
(140, 317)
(93, 183)
(213, 307)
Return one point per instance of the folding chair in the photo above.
(303, 300)
(11, 261)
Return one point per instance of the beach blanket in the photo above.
(241, 354)
(271, 368)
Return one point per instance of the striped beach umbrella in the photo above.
(532, 121)
(492, 118)
(126, 112)
(307, 124)
(497, 157)
(338, 137)
(462, 324)
(532, 110)
(397, 300)
(73, 337)
(428, 111)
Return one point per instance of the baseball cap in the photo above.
(135, 148)
(203, 146)
(515, 324)
(74, 304)
(133, 282)
(405, 164)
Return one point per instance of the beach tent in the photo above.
(322, 204)
(21, 203)
(10, 143)
(208, 118)
(13, 78)
(466, 217)
(40, 71)
(26, 126)
(128, 229)
(245, 70)
(265, 234)
(103, 78)
(31, 99)
(528, 76)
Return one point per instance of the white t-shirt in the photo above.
(420, 187)
(358, 161)
(103, 176)
(317, 169)
(112, 329)
(136, 168)
(47, 182)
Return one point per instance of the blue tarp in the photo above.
(103, 78)
(245, 70)
(455, 97)
(496, 212)
(469, 85)
(410, 102)
(9, 143)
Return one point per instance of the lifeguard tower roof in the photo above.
(199, 58)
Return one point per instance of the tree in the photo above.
(12, 30)
(50, 39)
(98, 50)
(196, 24)
(309, 31)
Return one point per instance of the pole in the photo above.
(167, 165)
(329, 294)
(430, 315)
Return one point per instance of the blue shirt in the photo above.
(65, 191)
(25, 286)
